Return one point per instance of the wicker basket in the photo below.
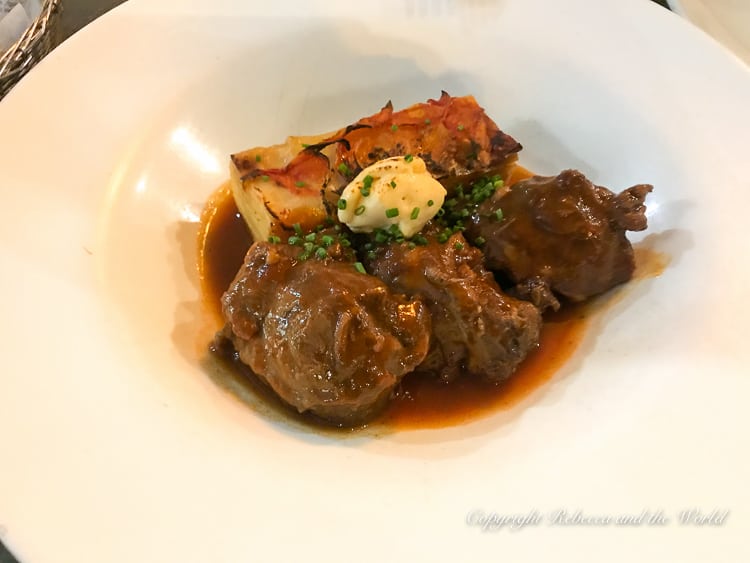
(38, 40)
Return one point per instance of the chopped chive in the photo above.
(274, 239)
(393, 184)
(499, 215)
(460, 127)
(297, 229)
(412, 245)
(344, 169)
(299, 184)
(366, 185)
(479, 241)
(308, 246)
(305, 145)
(294, 240)
(345, 242)
(257, 158)
(392, 212)
(360, 268)
(430, 203)
(441, 212)
(310, 237)
(427, 121)
(394, 127)
(420, 240)
(414, 213)
(304, 256)
(342, 204)
(442, 237)
(458, 245)
(326, 240)
(321, 252)
(264, 178)
(371, 255)
(359, 210)
(381, 236)
(408, 158)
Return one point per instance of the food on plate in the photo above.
(560, 236)
(326, 338)
(280, 186)
(409, 243)
(477, 329)
(398, 183)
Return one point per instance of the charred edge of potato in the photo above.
(267, 207)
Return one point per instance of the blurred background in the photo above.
(78, 13)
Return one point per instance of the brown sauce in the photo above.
(649, 263)
(223, 242)
(422, 402)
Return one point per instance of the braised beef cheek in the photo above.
(560, 235)
(327, 339)
(477, 329)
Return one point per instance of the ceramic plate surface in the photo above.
(118, 446)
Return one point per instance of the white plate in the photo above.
(726, 20)
(117, 446)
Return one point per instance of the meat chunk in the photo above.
(477, 329)
(326, 338)
(560, 235)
